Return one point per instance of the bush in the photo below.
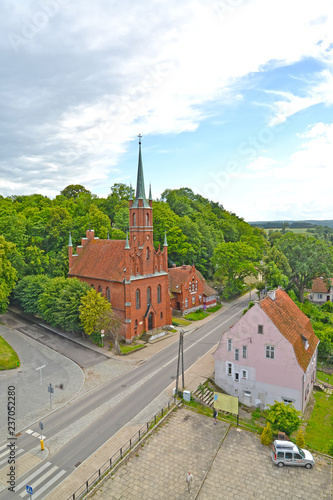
(330, 447)
(267, 435)
(300, 440)
(284, 417)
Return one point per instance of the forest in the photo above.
(34, 233)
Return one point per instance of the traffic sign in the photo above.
(41, 426)
(29, 489)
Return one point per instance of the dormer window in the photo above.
(305, 342)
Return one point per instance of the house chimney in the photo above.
(271, 294)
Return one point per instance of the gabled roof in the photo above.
(101, 259)
(180, 276)
(294, 325)
(319, 285)
(208, 290)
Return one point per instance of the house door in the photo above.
(150, 321)
(328, 298)
(178, 306)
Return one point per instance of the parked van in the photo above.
(287, 453)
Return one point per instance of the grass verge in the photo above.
(126, 348)
(8, 357)
(197, 315)
(214, 309)
(325, 377)
(180, 321)
(319, 430)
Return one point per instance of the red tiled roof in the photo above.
(101, 259)
(319, 285)
(208, 290)
(293, 324)
(180, 276)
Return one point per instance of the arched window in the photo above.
(161, 315)
(148, 295)
(159, 294)
(147, 219)
(134, 219)
(136, 324)
(92, 286)
(137, 299)
(99, 289)
(108, 295)
(196, 286)
(147, 253)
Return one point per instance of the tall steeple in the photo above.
(140, 183)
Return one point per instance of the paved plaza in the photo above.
(225, 463)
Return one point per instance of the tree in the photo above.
(93, 305)
(36, 260)
(47, 302)
(28, 290)
(112, 324)
(73, 191)
(267, 435)
(300, 440)
(67, 313)
(8, 274)
(307, 257)
(284, 417)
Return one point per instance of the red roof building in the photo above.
(131, 274)
(320, 292)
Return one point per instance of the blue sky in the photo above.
(233, 99)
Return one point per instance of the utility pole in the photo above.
(180, 355)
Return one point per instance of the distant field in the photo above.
(299, 230)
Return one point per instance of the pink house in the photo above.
(269, 355)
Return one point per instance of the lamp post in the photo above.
(102, 335)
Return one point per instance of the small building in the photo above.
(189, 290)
(320, 292)
(269, 355)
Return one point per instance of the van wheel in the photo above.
(308, 466)
(281, 464)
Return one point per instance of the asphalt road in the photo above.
(131, 392)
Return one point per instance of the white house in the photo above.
(320, 292)
(269, 354)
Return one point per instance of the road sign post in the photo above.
(40, 372)
(41, 426)
(50, 389)
(29, 490)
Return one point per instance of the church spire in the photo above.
(140, 183)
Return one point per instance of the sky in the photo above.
(233, 99)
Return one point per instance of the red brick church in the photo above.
(131, 274)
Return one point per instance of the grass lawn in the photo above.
(8, 357)
(214, 309)
(324, 377)
(196, 315)
(319, 430)
(125, 348)
(180, 321)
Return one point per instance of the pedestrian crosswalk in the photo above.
(41, 479)
(35, 434)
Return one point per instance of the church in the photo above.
(130, 273)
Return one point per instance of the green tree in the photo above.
(36, 261)
(47, 302)
(307, 257)
(267, 435)
(300, 440)
(74, 190)
(93, 305)
(112, 324)
(28, 290)
(284, 417)
(8, 274)
(67, 312)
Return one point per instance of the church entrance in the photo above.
(150, 321)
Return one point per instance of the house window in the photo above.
(229, 369)
(108, 295)
(137, 299)
(193, 299)
(236, 377)
(200, 298)
(260, 328)
(196, 286)
(245, 351)
(229, 344)
(288, 401)
(244, 374)
(320, 295)
(148, 295)
(159, 294)
(270, 351)
(186, 303)
(247, 393)
(236, 354)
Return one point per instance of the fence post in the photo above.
(87, 485)
(121, 453)
(99, 472)
(139, 435)
(130, 443)
(110, 462)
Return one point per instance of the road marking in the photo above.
(35, 434)
(49, 483)
(3, 447)
(26, 481)
(16, 453)
(40, 480)
(29, 431)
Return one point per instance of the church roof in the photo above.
(293, 324)
(101, 259)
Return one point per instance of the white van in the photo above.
(287, 453)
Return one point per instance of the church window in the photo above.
(99, 289)
(159, 294)
(148, 295)
(134, 219)
(147, 219)
(136, 324)
(137, 299)
(108, 295)
(161, 315)
(147, 253)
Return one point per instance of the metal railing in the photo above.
(115, 459)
